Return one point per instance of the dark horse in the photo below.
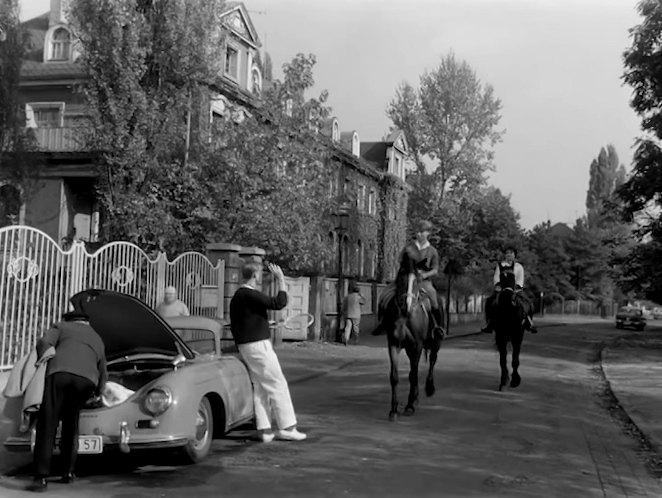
(509, 321)
(408, 329)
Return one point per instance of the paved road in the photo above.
(550, 437)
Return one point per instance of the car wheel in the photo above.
(619, 326)
(197, 449)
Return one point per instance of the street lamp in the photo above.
(341, 219)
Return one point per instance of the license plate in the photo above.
(90, 444)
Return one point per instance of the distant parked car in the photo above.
(630, 317)
(657, 313)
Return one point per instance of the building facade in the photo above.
(370, 176)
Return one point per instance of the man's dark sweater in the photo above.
(78, 350)
(248, 314)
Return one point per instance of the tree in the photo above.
(547, 263)
(145, 62)
(641, 193)
(450, 124)
(270, 186)
(167, 181)
(18, 163)
(605, 176)
(476, 235)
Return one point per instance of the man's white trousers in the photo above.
(270, 391)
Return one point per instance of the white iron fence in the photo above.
(37, 278)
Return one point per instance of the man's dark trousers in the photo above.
(64, 396)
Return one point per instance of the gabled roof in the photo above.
(36, 28)
(375, 153)
(397, 138)
(561, 230)
(235, 16)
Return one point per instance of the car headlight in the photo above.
(157, 400)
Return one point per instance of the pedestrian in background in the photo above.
(250, 329)
(171, 306)
(351, 313)
(73, 375)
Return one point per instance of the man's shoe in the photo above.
(290, 435)
(67, 478)
(38, 485)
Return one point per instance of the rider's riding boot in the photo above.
(529, 325)
(437, 319)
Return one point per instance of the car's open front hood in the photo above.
(127, 325)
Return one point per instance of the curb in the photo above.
(647, 446)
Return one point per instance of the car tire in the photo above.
(619, 326)
(197, 449)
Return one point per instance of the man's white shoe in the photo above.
(290, 435)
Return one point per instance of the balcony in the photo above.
(59, 139)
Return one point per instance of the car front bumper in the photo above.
(124, 442)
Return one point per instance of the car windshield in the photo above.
(201, 341)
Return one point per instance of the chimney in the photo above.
(58, 12)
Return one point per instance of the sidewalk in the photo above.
(633, 368)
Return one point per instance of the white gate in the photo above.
(298, 290)
(37, 278)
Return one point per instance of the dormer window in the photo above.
(356, 144)
(231, 62)
(256, 81)
(60, 45)
(335, 131)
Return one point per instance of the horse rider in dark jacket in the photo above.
(509, 274)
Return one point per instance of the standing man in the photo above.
(74, 374)
(351, 312)
(171, 306)
(250, 329)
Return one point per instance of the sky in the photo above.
(556, 66)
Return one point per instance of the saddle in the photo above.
(420, 296)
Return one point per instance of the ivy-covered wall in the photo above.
(381, 230)
(394, 198)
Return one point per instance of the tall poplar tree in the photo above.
(606, 174)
